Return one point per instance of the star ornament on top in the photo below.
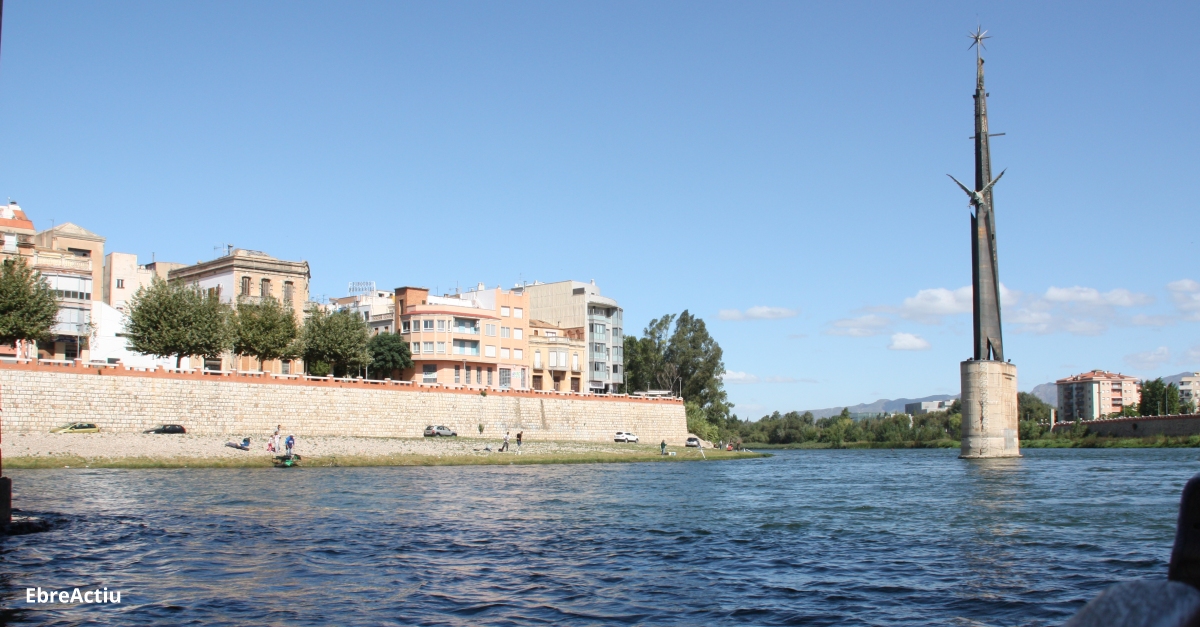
(977, 37)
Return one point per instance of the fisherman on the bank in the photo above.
(289, 443)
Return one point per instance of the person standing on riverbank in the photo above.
(519, 434)
(504, 447)
(289, 443)
(662, 448)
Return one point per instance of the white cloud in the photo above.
(758, 313)
(862, 326)
(908, 342)
(1185, 293)
(1092, 296)
(747, 378)
(1192, 355)
(1149, 360)
(731, 376)
(1144, 320)
(931, 305)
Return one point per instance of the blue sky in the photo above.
(776, 168)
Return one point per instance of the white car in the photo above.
(693, 442)
(625, 437)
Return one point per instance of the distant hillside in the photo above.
(881, 405)
(1048, 392)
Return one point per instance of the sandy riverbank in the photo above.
(128, 450)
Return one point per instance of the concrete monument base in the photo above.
(989, 410)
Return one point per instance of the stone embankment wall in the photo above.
(1141, 426)
(37, 397)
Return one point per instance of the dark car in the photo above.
(438, 431)
(167, 429)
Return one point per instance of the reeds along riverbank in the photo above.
(333, 461)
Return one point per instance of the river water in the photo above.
(912, 537)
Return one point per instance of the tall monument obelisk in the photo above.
(989, 384)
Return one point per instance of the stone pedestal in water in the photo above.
(989, 410)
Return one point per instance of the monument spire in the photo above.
(989, 383)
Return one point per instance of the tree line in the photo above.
(173, 319)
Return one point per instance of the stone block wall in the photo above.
(35, 398)
(1141, 426)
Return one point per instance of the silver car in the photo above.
(439, 432)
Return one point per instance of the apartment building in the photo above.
(1095, 394)
(478, 338)
(575, 305)
(378, 308)
(924, 407)
(122, 277)
(1189, 390)
(250, 275)
(558, 356)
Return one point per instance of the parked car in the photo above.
(76, 427)
(439, 432)
(167, 429)
(693, 442)
(625, 437)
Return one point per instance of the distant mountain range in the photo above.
(1048, 392)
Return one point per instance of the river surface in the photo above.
(911, 537)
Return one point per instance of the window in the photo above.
(430, 372)
(462, 325)
(427, 325)
(518, 354)
(285, 367)
(457, 370)
(505, 378)
(264, 288)
(554, 359)
(489, 376)
(522, 378)
(466, 347)
(537, 381)
(537, 361)
(616, 369)
(490, 329)
(414, 348)
(441, 348)
(478, 375)
(504, 353)
(504, 311)
(518, 313)
(441, 325)
(120, 283)
(550, 333)
(575, 362)
(10, 242)
(504, 331)
(289, 291)
(427, 348)
(404, 326)
(489, 351)
(518, 334)
(597, 366)
(245, 286)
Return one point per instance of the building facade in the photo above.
(1189, 390)
(924, 407)
(573, 305)
(250, 275)
(558, 356)
(122, 277)
(377, 308)
(1095, 394)
(477, 338)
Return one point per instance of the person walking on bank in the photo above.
(662, 448)
(505, 446)
(519, 434)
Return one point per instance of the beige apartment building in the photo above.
(559, 356)
(251, 275)
(123, 277)
(1095, 394)
(578, 305)
(477, 339)
(1189, 390)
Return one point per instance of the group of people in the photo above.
(504, 448)
(273, 443)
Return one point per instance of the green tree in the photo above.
(265, 330)
(696, 359)
(1158, 398)
(177, 320)
(389, 354)
(645, 358)
(337, 339)
(27, 306)
(1030, 407)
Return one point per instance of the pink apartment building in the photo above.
(475, 339)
